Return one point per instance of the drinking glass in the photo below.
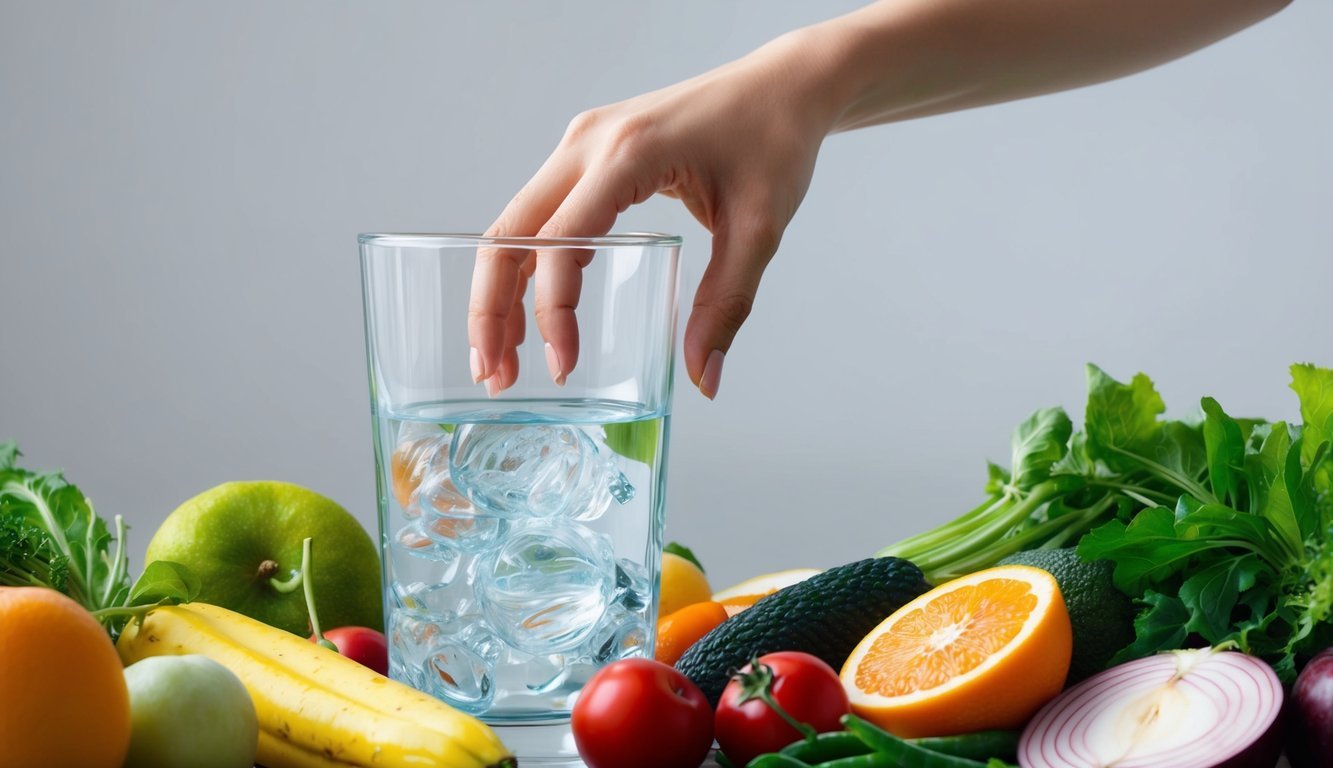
(521, 534)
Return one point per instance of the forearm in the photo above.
(900, 59)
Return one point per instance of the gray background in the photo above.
(181, 186)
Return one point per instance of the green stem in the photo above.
(1164, 499)
(1187, 484)
(290, 584)
(307, 563)
(119, 563)
(1048, 534)
(104, 615)
(758, 684)
(946, 532)
(985, 536)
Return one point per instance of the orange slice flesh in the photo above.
(745, 594)
(980, 652)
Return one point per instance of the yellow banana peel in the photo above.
(316, 707)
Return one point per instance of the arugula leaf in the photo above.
(1314, 389)
(1277, 474)
(1121, 418)
(1125, 433)
(1180, 449)
(1160, 626)
(1225, 446)
(1218, 525)
(1038, 443)
(1145, 551)
(1211, 593)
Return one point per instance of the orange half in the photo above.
(979, 652)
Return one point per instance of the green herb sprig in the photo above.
(50, 536)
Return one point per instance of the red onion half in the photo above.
(1185, 709)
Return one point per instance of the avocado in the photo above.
(1101, 615)
(825, 615)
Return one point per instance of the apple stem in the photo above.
(287, 585)
(309, 584)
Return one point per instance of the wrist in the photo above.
(838, 58)
(811, 70)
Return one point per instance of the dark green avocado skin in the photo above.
(826, 616)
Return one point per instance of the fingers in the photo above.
(559, 280)
(589, 210)
(725, 296)
(506, 372)
(496, 276)
(568, 197)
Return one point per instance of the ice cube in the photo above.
(422, 450)
(460, 676)
(442, 600)
(621, 634)
(416, 557)
(539, 470)
(543, 674)
(546, 587)
(449, 656)
(632, 589)
(447, 517)
(411, 636)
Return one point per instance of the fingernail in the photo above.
(553, 365)
(474, 362)
(712, 378)
(493, 386)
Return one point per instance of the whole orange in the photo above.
(63, 699)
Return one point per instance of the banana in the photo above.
(317, 708)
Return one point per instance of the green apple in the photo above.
(241, 538)
(189, 710)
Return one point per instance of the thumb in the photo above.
(725, 296)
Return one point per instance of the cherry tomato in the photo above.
(640, 713)
(805, 688)
(363, 645)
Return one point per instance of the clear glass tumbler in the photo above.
(521, 534)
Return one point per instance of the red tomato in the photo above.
(363, 645)
(805, 687)
(640, 713)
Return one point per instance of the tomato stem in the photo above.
(308, 582)
(757, 683)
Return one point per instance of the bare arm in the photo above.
(737, 145)
(900, 59)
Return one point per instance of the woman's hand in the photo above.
(736, 145)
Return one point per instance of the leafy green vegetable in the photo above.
(1220, 528)
(51, 537)
(1314, 387)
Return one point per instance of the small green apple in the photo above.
(238, 538)
(189, 710)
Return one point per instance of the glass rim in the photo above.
(468, 239)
